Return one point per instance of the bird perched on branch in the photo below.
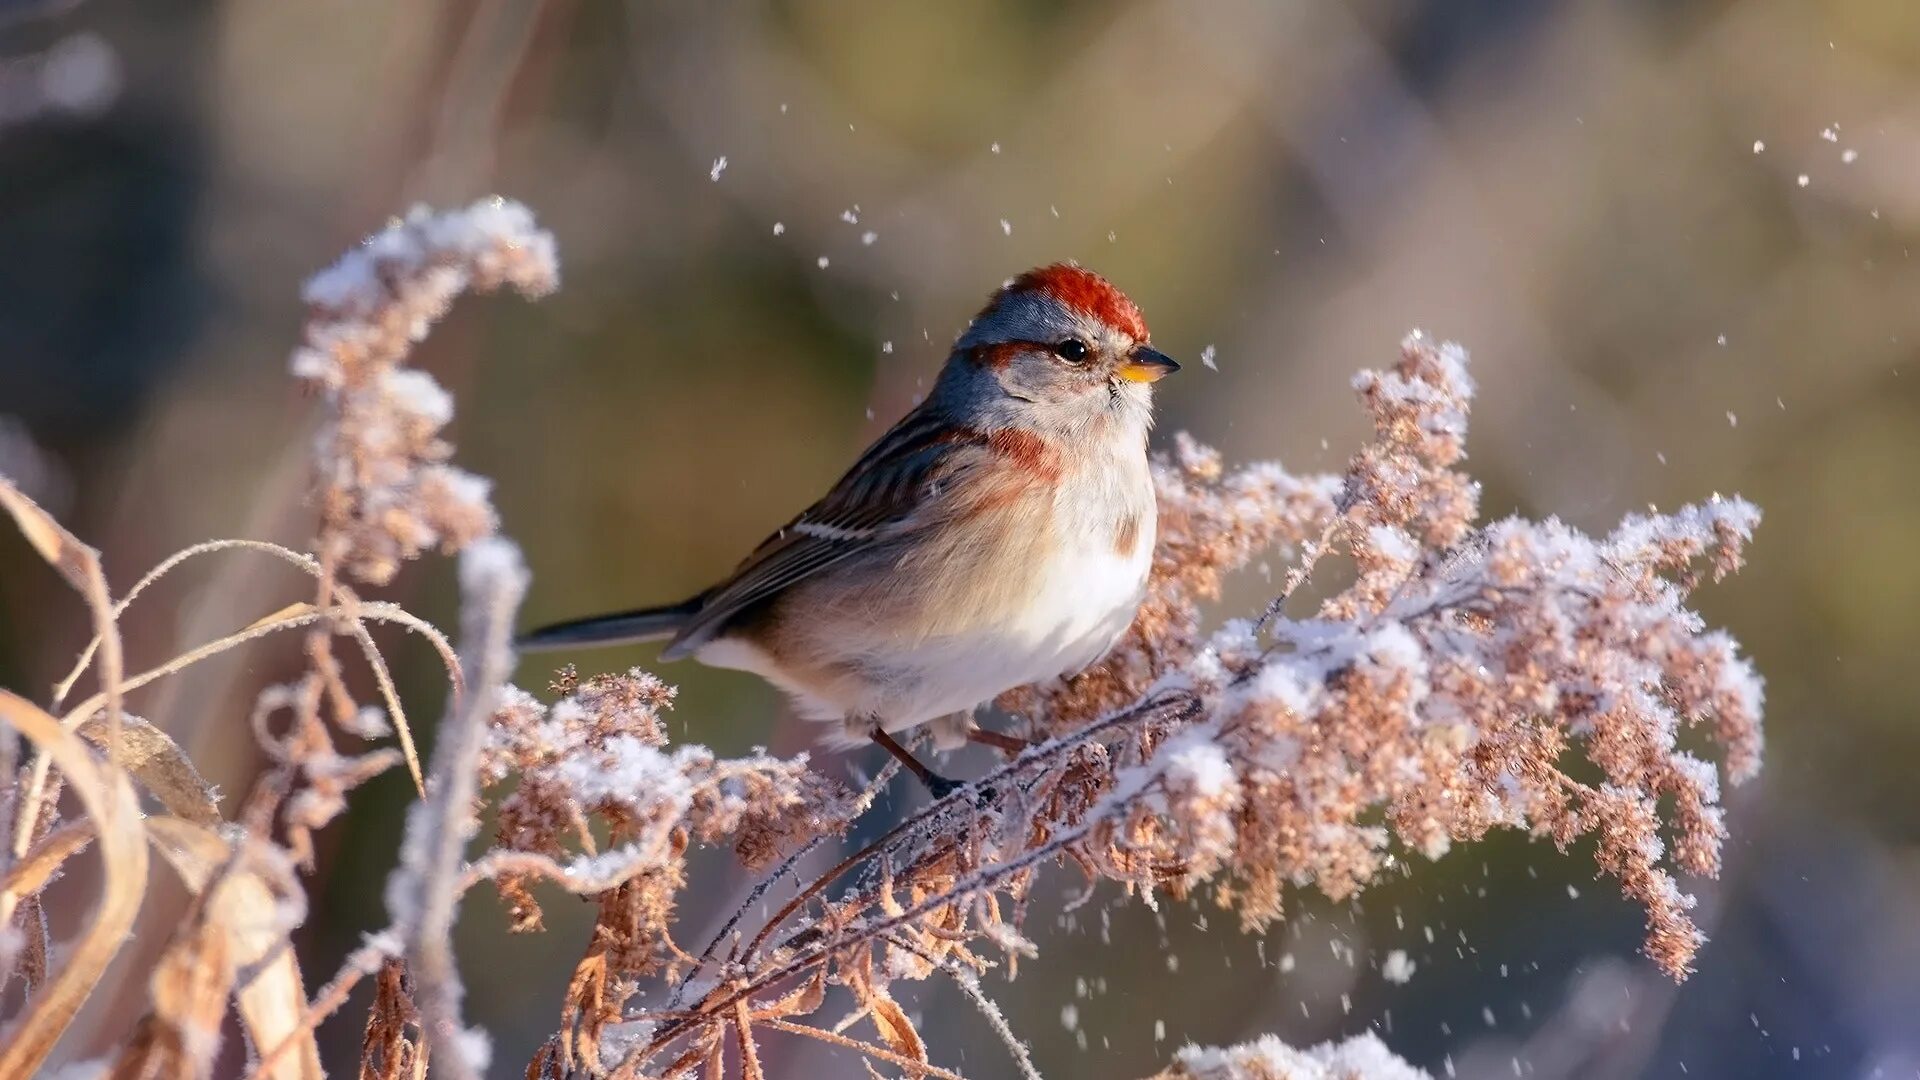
(998, 535)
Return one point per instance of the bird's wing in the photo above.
(885, 495)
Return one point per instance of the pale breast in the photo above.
(1061, 586)
(1039, 586)
(1092, 585)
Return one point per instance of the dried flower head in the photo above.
(599, 755)
(386, 492)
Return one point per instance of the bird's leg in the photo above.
(938, 785)
(1010, 743)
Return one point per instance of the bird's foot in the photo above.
(938, 786)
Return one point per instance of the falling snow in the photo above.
(1398, 968)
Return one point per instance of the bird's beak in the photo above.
(1146, 365)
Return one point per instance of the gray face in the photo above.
(1064, 366)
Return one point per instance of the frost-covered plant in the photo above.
(384, 489)
(1455, 684)
(1462, 677)
(1363, 1057)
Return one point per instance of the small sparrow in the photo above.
(998, 535)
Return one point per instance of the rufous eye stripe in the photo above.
(999, 354)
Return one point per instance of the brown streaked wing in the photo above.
(875, 501)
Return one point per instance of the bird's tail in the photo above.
(618, 628)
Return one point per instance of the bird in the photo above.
(999, 534)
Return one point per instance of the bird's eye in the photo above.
(1072, 350)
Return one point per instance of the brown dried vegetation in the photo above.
(1460, 681)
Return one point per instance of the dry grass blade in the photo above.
(272, 623)
(367, 960)
(383, 678)
(913, 1068)
(239, 905)
(287, 618)
(153, 759)
(750, 1068)
(311, 566)
(80, 565)
(60, 548)
(109, 802)
(31, 874)
(160, 570)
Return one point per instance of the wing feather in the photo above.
(879, 499)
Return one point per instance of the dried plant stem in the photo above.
(80, 565)
(1310, 553)
(1035, 756)
(749, 1054)
(110, 804)
(780, 873)
(383, 678)
(335, 597)
(290, 617)
(980, 881)
(969, 984)
(438, 829)
(38, 866)
(160, 570)
(914, 1068)
(360, 963)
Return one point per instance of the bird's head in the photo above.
(1063, 344)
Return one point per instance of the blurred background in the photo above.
(1676, 236)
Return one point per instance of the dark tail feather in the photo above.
(619, 628)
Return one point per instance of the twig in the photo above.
(426, 885)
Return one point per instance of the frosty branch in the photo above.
(1457, 677)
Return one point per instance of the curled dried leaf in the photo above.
(153, 759)
(245, 916)
(894, 1027)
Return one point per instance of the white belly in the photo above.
(1085, 601)
(875, 661)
